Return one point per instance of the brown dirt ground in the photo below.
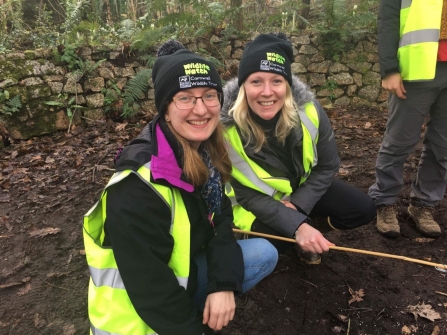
(48, 183)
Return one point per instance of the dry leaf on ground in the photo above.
(44, 232)
(424, 311)
(356, 295)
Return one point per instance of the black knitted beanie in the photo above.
(177, 69)
(267, 53)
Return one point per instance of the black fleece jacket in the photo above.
(137, 229)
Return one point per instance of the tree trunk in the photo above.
(238, 20)
(108, 11)
(305, 11)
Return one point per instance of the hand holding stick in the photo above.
(441, 267)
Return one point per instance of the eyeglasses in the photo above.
(188, 101)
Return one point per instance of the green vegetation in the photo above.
(9, 105)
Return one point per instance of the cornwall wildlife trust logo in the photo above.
(273, 63)
(184, 82)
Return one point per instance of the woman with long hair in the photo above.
(160, 248)
(284, 154)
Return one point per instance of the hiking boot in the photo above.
(423, 217)
(307, 256)
(387, 223)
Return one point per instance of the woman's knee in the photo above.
(259, 252)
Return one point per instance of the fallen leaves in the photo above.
(423, 310)
(44, 232)
(356, 296)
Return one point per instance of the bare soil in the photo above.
(48, 183)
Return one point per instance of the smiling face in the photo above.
(265, 93)
(195, 124)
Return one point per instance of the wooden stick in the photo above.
(333, 247)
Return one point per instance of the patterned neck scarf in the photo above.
(211, 192)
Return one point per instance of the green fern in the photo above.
(135, 88)
(11, 105)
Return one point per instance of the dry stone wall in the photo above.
(351, 81)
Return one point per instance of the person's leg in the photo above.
(260, 227)
(429, 186)
(346, 206)
(260, 258)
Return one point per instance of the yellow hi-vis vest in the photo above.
(420, 24)
(250, 174)
(110, 309)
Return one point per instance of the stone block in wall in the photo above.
(237, 54)
(350, 91)
(55, 87)
(19, 90)
(369, 47)
(8, 82)
(335, 93)
(369, 93)
(298, 68)
(358, 79)
(376, 67)
(214, 39)
(94, 84)
(79, 99)
(337, 68)
(72, 87)
(201, 44)
(315, 39)
(31, 81)
(343, 101)
(361, 67)
(372, 57)
(383, 96)
(342, 79)
(95, 100)
(317, 58)
(15, 55)
(322, 67)
(133, 64)
(307, 50)
(53, 77)
(192, 47)
(123, 72)
(48, 68)
(300, 40)
(316, 79)
(305, 60)
(359, 47)
(84, 52)
(325, 102)
(231, 63)
(36, 92)
(73, 76)
(106, 73)
(239, 44)
(359, 102)
(94, 115)
(62, 121)
(372, 78)
(226, 53)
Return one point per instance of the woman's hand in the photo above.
(219, 309)
(310, 239)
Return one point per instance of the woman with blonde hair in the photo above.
(284, 154)
(161, 252)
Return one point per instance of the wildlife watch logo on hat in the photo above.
(176, 69)
(267, 53)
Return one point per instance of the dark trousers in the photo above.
(346, 206)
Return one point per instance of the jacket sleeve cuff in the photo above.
(220, 286)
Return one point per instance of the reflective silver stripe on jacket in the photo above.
(228, 189)
(245, 168)
(106, 277)
(112, 277)
(313, 134)
(405, 4)
(97, 331)
(419, 36)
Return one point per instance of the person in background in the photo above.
(412, 37)
(284, 154)
(159, 244)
